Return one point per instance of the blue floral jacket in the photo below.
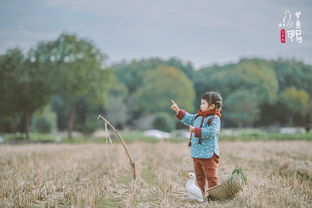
(208, 134)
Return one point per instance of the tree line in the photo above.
(65, 83)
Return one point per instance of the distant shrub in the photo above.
(163, 122)
(143, 123)
(42, 125)
(44, 121)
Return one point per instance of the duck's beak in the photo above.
(186, 176)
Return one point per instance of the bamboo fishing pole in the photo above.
(132, 163)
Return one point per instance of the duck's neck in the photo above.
(191, 180)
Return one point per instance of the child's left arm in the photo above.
(209, 131)
(185, 117)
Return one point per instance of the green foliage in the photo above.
(90, 124)
(42, 125)
(242, 108)
(244, 86)
(9, 124)
(70, 74)
(34, 137)
(258, 77)
(78, 72)
(162, 85)
(132, 74)
(77, 65)
(44, 121)
(256, 135)
(163, 122)
(254, 75)
(116, 111)
(23, 86)
(295, 100)
(293, 73)
(241, 173)
(261, 81)
(138, 136)
(186, 67)
(116, 87)
(61, 108)
(136, 75)
(214, 78)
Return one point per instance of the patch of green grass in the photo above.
(138, 136)
(133, 136)
(266, 137)
(148, 173)
(126, 179)
(33, 138)
(109, 202)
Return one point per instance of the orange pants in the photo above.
(206, 168)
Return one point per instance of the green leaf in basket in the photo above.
(241, 173)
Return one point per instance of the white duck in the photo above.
(192, 189)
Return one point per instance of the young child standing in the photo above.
(205, 130)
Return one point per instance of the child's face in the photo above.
(204, 106)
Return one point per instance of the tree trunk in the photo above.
(290, 120)
(310, 109)
(27, 124)
(308, 124)
(71, 121)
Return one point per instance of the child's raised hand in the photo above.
(174, 106)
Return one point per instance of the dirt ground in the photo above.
(98, 175)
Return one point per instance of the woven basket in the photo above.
(228, 189)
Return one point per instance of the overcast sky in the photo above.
(201, 31)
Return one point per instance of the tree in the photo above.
(78, 71)
(132, 74)
(296, 74)
(242, 108)
(162, 85)
(253, 75)
(257, 76)
(295, 100)
(24, 87)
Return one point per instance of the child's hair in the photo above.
(213, 98)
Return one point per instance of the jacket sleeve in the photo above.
(185, 117)
(209, 131)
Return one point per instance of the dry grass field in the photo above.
(98, 175)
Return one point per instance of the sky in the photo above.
(202, 32)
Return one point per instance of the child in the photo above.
(205, 131)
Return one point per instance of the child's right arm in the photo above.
(185, 117)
